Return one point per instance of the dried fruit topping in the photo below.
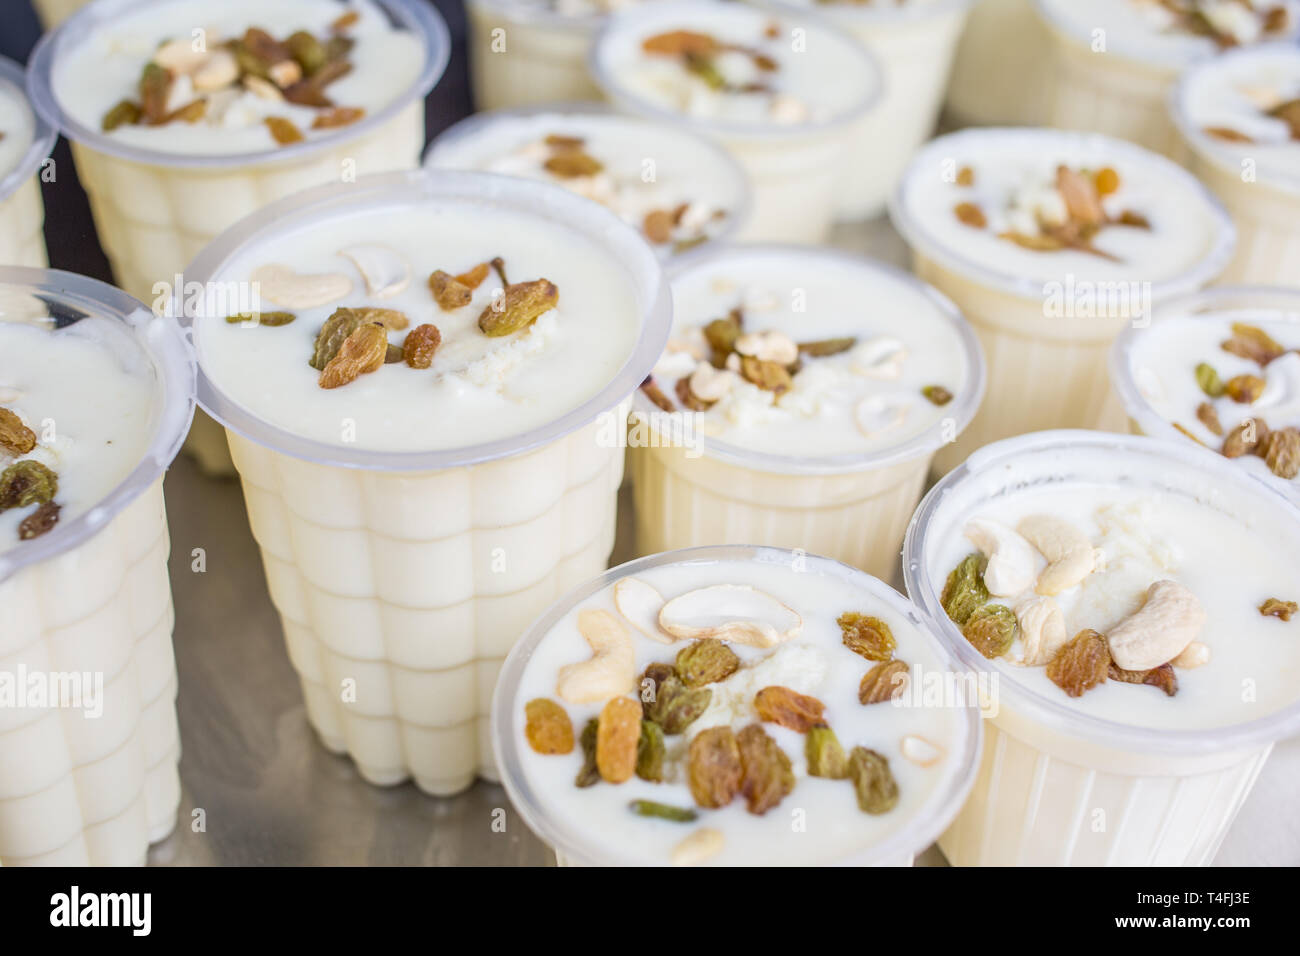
(1247, 438)
(39, 521)
(1134, 219)
(825, 756)
(824, 347)
(1106, 180)
(589, 775)
(1208, 379)
(1081, 664)
(345, 22)
(721, 334)
(272, 319)
(393, 355)
(155, 87)
(868, 637)
(657, 396)
(886, 681)
(680, 42)
(547, 727)
(1245, 389)
(1162, 677)
(1080, 193)
(362, 352)
(1227, 134)
(1277, 608)
(658, 225)
(650, 752)
(27, 482)
(337, 116)
(283, 131)
(937, 394)
(706, 662)
(448, 291)
(617, 736)
(688, 398)
(572, 164)
(519, 308)
(343, 322)
(562, 141)
(769, 376)
(474, 277)
(714, 769)
(873, 781)
(1209, 417)
(1283, 452)
(991, 629)
(15, 437)
(767, 774)
(125, 113)
(1289, 111)
(677, 706)
(421, 342)
(964, 591)
(662, 811)
(965, 176)
(781, 705)
(969, 214)
(652, 678)
(1253, 343)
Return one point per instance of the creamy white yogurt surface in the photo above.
(645, 167)
(478, 388)
(1231, 559)
(17, 127)
(865, 399)
(815, 663)
(1015, 186)
(92, 77)
(814, 76)
(89, 399)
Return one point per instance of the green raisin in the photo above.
(868, 637)
(1209, 380)
(589, 775)
(518, 308)
(823, 347)
(272, 319)
(937, 394)
(964, 591)
(706, 662)
(125, 113)
(825, 756)
(648, 808)
(991, 629)
(341, 323)
(650, 752)
(307, 50)
(27, 482)
(677, 706)
(873, 781)
(721, 334)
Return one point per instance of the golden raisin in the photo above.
(706, 661)
(1283, 452)
(1248, 437)
(1162, 677)
(866, 636)
(519, 307)
(1274, 607)
(1253, 343)
(1245, 389)
(1106, 180)
(969, 214)
(781, 705)
(362, 352)
(547, 727)
(421, 342)
(658, 225)
(15, 437)
(572, 164)
(886, 681)
(448, 291)
(1209, 418)
(39, 521)
(617, 735)
(766, 774)
(991, 629)
(283, 131)
(1081, 664)
(714, 769)
(337, 116)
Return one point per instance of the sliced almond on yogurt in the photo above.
(730, 612)
(385, 272)
(920, 751)
(640, 604)
(298, 290)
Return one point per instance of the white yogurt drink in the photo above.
(1220, 368)
(677, 188)
(95, 396)
(25, 142)
(1131, 601)
(914, 42)
(675, 709)
(799, 403)
(425, 407)
(1001, 72)
(1240, 116)
(1115, 61)
(1051, 242)
(782, 93)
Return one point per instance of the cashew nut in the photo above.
(697, 847)
(879, 358)
(297, 290)
(384, 271)
(640, 603)
(877, 414)
(1193, 655)
(285, 73)
(768, 346)
(710, 384)
(180, 56)
(1012, 562)
(1069, 553)
(219, 71)
(1168, 621)
(263, 89)
(920, 751)
(1042, 630)
(611, 672)
(736, 613)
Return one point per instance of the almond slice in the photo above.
(730, 612)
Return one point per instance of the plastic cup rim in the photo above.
(43, 134)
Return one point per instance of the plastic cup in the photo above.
(406, 599)
(1000, 74)
(54, 12)
(22, 211)
(1049, 772)
(794, 170)
(850, 507)
(521, 54)
(1278, 304)
(1044, 371)
(694, 157)
(914, 45)
(574, 848)
(1264, 204)
(92, 596)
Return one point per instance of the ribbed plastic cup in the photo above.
(1049, 772)
(577, 848)
(92, 597)
(850, 507)
(337, 523)
(22, 211)
(1001, 72)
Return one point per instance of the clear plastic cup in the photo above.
(54, 12)
(406, 599)
(92, 596)
(698, 158)
(22, 211)
(1000, 74)
(521, 54)
(1050, 773)
(914, 45)
(1044, 371)
(573, 848)
(1278, 304)
(1265, 205)
(794, 170)
(850, 507)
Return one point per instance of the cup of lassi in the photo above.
(25, 142)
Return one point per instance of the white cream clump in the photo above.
(494, 369)
(799, 666)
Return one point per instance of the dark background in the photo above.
(69, 230)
